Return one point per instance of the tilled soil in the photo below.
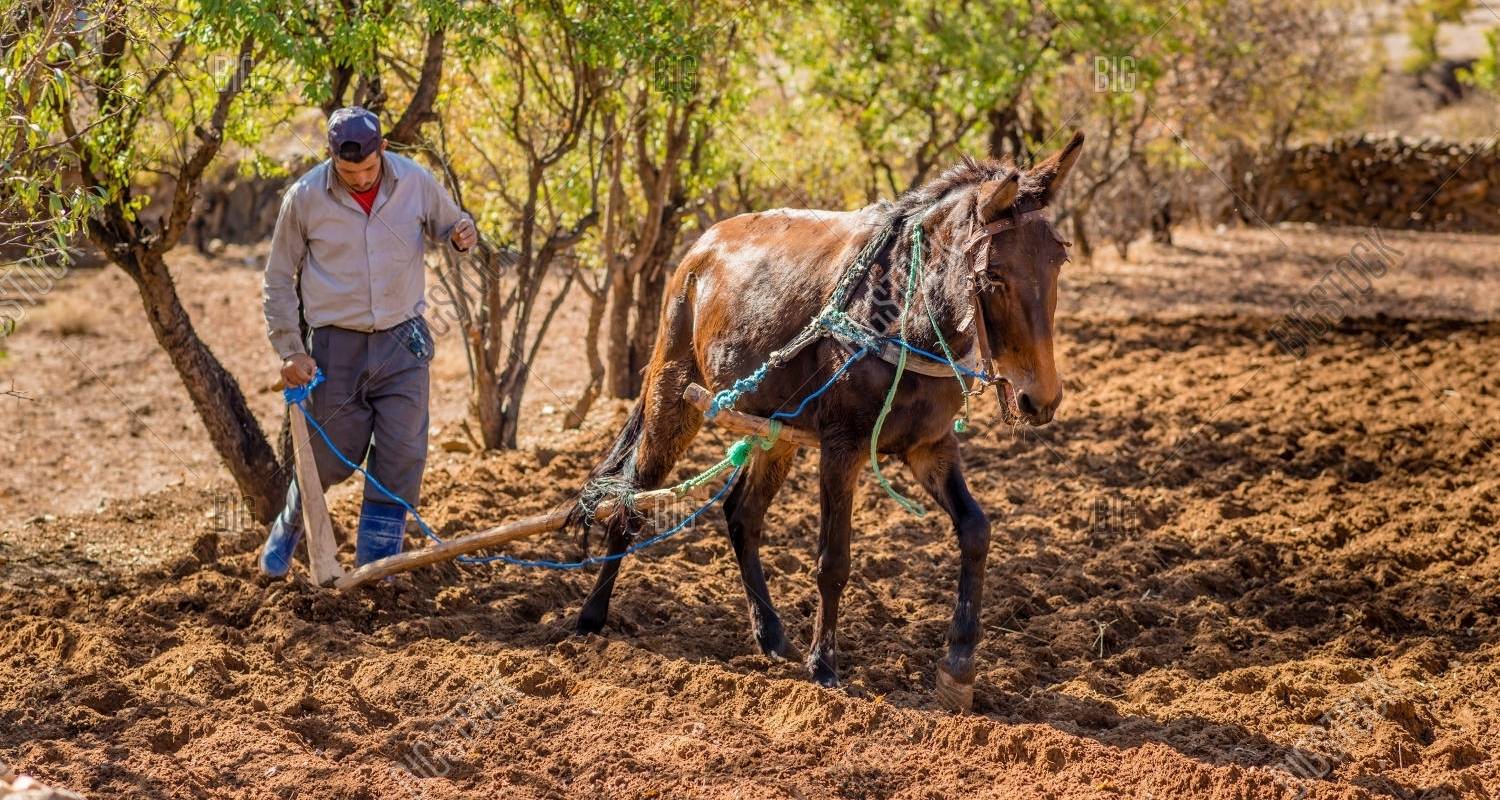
(1224, 572)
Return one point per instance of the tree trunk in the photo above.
(647, 313)
(651, 287)
(597, 301)
(486, 405)
(1081, 234)
(1161, 223)
(1002, 136)
(637, 286)
(512, 391)
(233, 429)
(619, 362)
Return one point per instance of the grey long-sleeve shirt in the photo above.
(358, 272)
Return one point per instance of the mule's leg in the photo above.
(745, 510)
(838, 470)
(669, 427)
(595, 611)
(938, 469)
(671, 424)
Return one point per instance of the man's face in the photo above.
(359, 175)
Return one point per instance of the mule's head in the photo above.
(1019, 286)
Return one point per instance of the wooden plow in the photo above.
(321, 549)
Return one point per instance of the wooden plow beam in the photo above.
(695, 395)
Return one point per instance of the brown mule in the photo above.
(752, 283)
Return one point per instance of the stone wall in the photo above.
(1387, 181)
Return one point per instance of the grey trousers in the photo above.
(373, 405)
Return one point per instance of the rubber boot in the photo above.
(286, 532)
(382, 526)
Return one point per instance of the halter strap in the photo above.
(1002, 224)
(981, 235)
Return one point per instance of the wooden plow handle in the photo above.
(322, 551)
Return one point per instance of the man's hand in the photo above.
(298, 370)
(464, 236)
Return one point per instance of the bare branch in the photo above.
(419, 110)
(210, 140)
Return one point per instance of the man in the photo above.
(350, 236)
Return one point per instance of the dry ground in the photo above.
(1224, 572)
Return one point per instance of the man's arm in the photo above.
(280, 301)
(445, 219)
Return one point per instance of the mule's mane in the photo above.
(898, 219)
(915, 205)
(969, 171)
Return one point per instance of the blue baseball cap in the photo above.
(353, 133)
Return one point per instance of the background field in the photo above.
(1224, 572)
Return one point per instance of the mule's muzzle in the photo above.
(1026, 406)
(1038, 412)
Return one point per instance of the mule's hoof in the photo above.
(823, 674)
(778, 648)
(953, 694)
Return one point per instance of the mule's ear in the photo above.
(996, 196)
(1046, 178)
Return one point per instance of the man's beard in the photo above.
(367, 187)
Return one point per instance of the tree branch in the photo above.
(419, 110)
(210, 139)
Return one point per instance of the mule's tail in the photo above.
(611, 477)
(660, 427)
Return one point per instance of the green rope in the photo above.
(962, 423)
(890, 396)
(738, 455)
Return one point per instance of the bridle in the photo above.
(975, 255)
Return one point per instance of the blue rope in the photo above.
(296, 395)
(743, 386)
(821, 389)
(940, 359)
